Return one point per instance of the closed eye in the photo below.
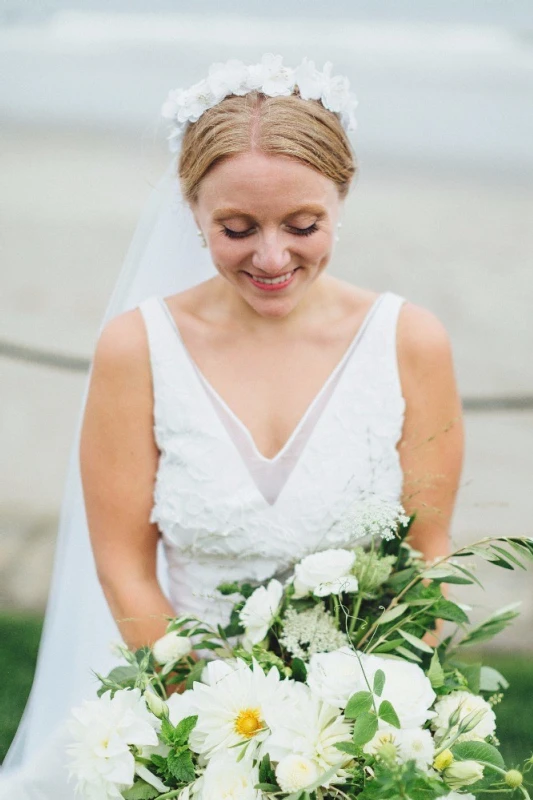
(297, 231)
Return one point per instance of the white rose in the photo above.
(462, 773)
(466, 703)
(295, 772)
(171, 647)
(335, 676)
(227, 778)
(406, 687)
(325, 573)
(259, 611)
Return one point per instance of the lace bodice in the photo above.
(216, 519)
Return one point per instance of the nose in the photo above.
(271, 255)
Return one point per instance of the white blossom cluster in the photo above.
(270, 77)
(311, 631)
(371, 516)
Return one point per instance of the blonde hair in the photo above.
(284, 126)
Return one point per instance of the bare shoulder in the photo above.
(122, 343)
(422, 338)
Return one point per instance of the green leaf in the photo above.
(299, 670)
(229, 588)
(365, 728)
(123, 675)
(196, 673)
(387, 713)
(472, 673)
(508, 556)
(181, 767)
(478, 751)
(379, 682)
(348, 747)
(491, 680)
(140, 791)
(403, 651)
(182, 731)
(435, 672)
(445, 609)
(266, 772)
(416, 642)
(267, 787)
(392, 613)
(359, 703)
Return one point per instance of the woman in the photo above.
(239, 420)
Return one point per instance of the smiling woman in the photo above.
(238, 420)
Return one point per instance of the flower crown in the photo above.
(270, 77)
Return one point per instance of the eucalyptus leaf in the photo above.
(491, 680)
(403, 651)
(392, 613)
(435, 672)
(415, 641)
(379, 682)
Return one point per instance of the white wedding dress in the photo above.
(225, 511)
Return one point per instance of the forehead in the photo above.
(259, 183)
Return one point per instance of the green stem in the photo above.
(173, 793)
(355, 613)
(503, 772)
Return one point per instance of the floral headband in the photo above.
(270, 77)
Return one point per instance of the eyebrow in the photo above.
(310, 208)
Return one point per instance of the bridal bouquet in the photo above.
(322, 687)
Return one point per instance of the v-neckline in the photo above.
(208, 387)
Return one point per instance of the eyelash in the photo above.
(243, 234)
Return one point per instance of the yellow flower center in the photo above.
(248, 722)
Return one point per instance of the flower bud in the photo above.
(462, 773)
(454, 717)
(472, 720)
(156, 704)
(387, 752)
(443, 760)
(171, 648)
(514, 778)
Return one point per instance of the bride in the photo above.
(241, 399)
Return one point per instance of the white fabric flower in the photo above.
(295, 772)
(310, 81)
(259, 611)
(225, 778)
(467, 703)
(324, 573)
(171, 647)
(103, 730)
(277, 79)
(228, 78)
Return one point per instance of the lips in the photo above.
(272, 284)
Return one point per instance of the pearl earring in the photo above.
(337, 237)
(202, 238)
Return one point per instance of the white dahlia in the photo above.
(104, 730)
(311, 730)
(295, 772)
(225, 778)
(238, 708)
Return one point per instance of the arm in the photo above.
(118, 461)
(432, 443)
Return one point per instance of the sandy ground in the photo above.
(454, 240)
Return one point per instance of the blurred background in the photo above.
(442, 214)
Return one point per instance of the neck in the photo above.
(231, 305)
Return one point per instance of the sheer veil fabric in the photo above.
(165, 257)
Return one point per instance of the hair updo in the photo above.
(283, 126)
